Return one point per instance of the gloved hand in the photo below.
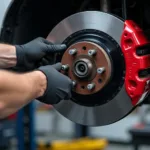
(29, 55)
(59, 86)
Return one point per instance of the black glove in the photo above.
(59, 86)
(29, 55)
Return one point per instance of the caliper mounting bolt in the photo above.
(91, 86)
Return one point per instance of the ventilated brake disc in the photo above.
(97, 62)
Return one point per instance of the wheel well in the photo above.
(28, 19)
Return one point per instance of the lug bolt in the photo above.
(101, 70)
(74, 83)
(65, 67)
(92, 52)
(91, 86)
(72, 51)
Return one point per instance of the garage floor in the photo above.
(116, 147)
(66, 130)
(110, 146)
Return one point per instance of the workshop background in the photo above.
(43, 126)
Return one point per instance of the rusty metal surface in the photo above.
(101, 59)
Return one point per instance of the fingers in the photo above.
(55, 48)
(44, 62)
(57, 66)
(50, 47)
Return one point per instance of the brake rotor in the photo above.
(95, 62)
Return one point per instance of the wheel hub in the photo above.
(82, 67)
(90, 64)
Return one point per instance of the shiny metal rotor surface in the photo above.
(121, 104)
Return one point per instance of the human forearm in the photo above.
(17, 90)
(7, 56)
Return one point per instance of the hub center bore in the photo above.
(82, 68)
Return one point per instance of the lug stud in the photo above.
(65, 67)
(91, 86)
(72, 51)
(74, 83)
(92, 52)
(101, 70)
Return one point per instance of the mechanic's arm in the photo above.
(46, 84)
(17, 90)
(28, 55)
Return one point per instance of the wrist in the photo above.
(20, 56)
(8, 56)
(42, 83)
(39, 83)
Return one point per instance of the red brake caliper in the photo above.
(136, 50)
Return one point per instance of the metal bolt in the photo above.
(74, 83)
(72, 51)
(91, 86)
(101, 70)
(65, 67)
(92, 52)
